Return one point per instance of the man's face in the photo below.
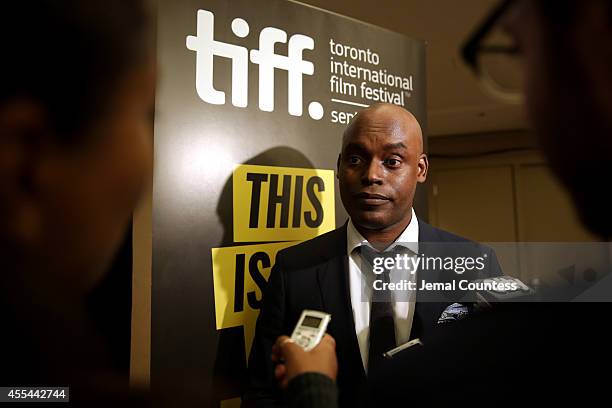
(378, 169)
(565, 86)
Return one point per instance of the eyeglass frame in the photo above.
(472, 48)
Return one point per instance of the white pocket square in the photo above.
(454, 312)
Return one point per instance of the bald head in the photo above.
(386, 118)
(379, 166)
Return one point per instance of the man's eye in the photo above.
(392, 162)
(354, 160)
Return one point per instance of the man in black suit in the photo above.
(523, 353)
(380, 164)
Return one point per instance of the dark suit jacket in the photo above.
(519, 354)
(314, 275)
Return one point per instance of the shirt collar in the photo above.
(408, 238)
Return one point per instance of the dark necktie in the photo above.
(382, 325)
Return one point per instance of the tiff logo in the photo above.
(206, 48)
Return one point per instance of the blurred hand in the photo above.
(292, 360)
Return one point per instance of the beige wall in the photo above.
(508, 196)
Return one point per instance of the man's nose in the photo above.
(373, 173)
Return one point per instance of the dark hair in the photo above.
(67, 54)
(558, 12)
(562, 12)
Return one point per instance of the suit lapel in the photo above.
(333, 280)
(426, 314)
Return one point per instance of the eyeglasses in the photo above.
(493, 56)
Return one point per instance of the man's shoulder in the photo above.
(433, 235)
(315, 250)
(429, 233)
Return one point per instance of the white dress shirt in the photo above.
(361, 287)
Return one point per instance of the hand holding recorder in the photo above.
(308, 349)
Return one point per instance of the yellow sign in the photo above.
(239, 273)
(282, 203)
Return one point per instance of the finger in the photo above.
(330, 340)
(275, 357)
(287, 346)
(278, 354)
(280, 371)
(280, 341)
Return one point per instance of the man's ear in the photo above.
(422, 167)
(338, 165)
(23, 128)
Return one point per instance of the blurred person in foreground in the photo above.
(520, 352)
(76, 102)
